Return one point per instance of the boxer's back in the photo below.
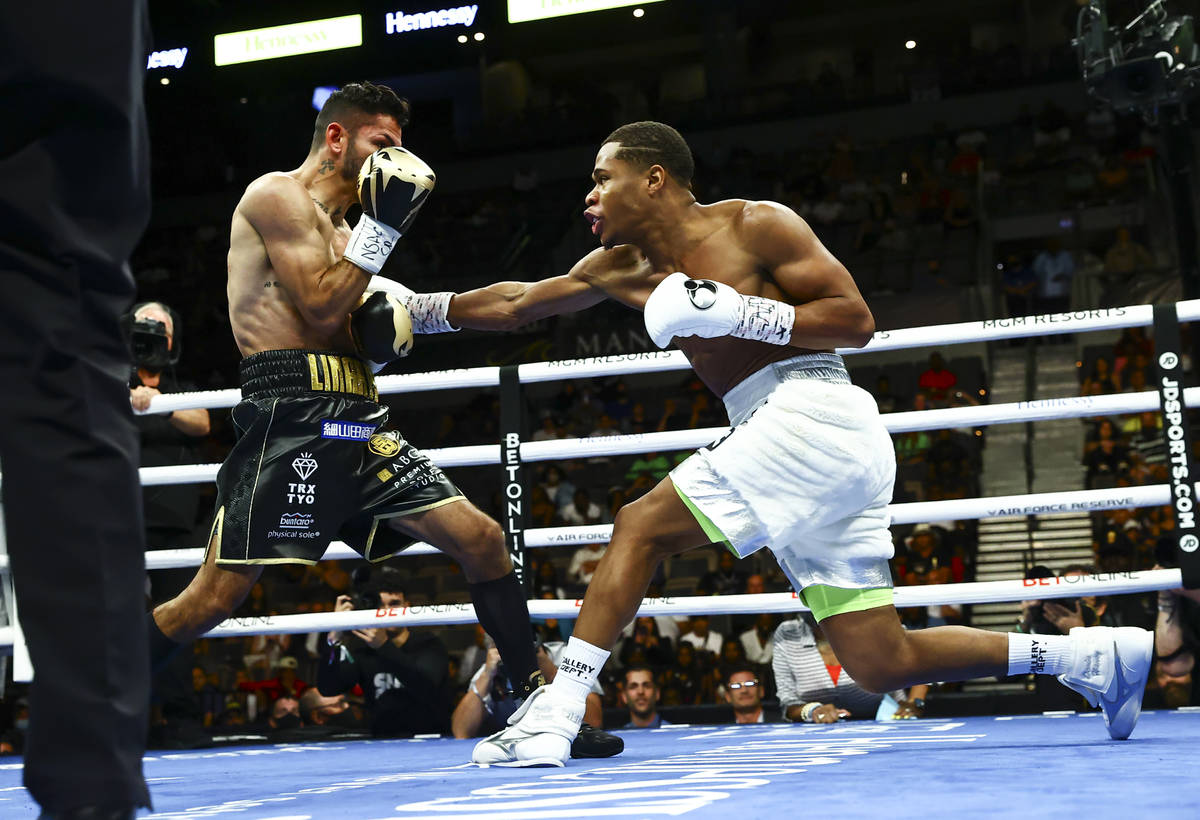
(262, 313)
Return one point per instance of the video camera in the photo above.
(1152, 61)
(147, 339)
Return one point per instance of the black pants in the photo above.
(74, 200)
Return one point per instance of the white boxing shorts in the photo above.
(807, 470)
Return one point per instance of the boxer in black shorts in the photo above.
(314, 460)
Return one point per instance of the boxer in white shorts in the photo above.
(756, 302)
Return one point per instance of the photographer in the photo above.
(167, 439)
(402, 671)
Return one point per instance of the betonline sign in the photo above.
(398, 22)
(286, 41)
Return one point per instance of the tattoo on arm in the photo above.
(325, 167)
(321, 205)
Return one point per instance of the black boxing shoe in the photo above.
(525, 688)
(592, 742)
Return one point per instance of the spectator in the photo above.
(1125, 256)
(884, 398)
(171, 439)
(1175, 643)
(743, 691)
(582, 511)
(937, 380)
(548, 630)
(701, 637)
(758, 642)
(959, 213)
(1107, 460)
(558, 489)
(544, 580)
(646, 647)
(284, 714)
(726, 579)
(1019, 282)
(402, 671)
(584, 563)
(1101, 380)
(641, 695)
(542, 512)
(1054, 267)
(930, 562)
(284, 684)
(683, 680)
(813, 687)
(550, 430)
(207, 694)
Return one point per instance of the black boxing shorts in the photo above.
(314, 462)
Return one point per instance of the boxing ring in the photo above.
(954, 766)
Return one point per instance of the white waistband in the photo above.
(748, 394)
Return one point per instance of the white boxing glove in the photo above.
(682, 306)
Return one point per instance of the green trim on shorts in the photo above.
(825, 601)
(710, 529)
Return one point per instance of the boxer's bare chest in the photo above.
(724, 361)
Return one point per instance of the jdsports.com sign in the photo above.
(1184, 490)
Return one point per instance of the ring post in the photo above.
(1182, 471)
(516, 505)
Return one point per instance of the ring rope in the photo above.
(1120, 583)
(1149, 495)
(985, 330)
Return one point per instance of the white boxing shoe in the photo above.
(1110, 668)
(538, 734)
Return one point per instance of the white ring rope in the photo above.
(1150, 495)
(626, 444)
(1120, 583)
(986, 330)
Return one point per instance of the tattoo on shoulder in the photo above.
(321, 204)
(272, 285)
(325, 167)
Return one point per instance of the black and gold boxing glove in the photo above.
(381, 328)
(393, 184)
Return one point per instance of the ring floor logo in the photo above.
(682, 783)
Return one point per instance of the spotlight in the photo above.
(639, 12)
(479, 35)
(910, 44)
(165, 81)
(462, 38)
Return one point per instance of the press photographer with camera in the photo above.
(153, 331)
(402, 671)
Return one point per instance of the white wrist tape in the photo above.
(370, 244)
(428, 312)
(765, 320)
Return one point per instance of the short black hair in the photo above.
(654, 143)
(741, 668)
(355, 101)
(388, 579)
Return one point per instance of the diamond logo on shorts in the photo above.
(304, 465)
(383, 445)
